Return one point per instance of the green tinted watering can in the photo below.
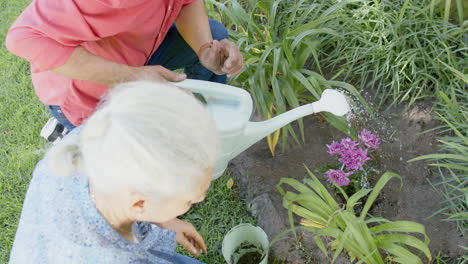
(231, 109)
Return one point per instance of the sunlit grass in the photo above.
(21, 118)
(398, 50)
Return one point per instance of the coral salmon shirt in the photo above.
(123, 31)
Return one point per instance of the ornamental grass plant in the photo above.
(280, 40)
(452, 160)
(337, 229)
(396, 48)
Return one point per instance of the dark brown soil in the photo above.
(400, 129)
(250, 258)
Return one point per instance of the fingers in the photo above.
(236, 71)
(213, 57)
(234, 64)
(192, 235)
(189, 246)
(198, 240)
(169, 75)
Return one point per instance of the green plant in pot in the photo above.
(365, 238)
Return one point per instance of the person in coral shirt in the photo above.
(79, 49)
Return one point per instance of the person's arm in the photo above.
(48, 34)
(192, 24)
(83, 65)
(221, 57)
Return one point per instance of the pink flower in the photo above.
(354, 159)
(338, 176)
(335, 148)
(349, 144)
(369, 139)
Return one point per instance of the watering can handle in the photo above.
(212, 91)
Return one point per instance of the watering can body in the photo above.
(231, 109)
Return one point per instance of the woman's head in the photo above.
(152, 142)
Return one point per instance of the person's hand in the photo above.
(155, 73)
(222, 57)
(187, 236)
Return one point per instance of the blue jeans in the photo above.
(173, 53)
(56, 112)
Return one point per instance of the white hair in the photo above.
(148, 137)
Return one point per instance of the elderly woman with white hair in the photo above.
(111, 191)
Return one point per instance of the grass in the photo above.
(21, 115)
(21, 118)
(441, 259)
(453, 11)
(221, 211)
(398, 50)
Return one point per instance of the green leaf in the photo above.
(293, 183)
(311, 202)
(402, 255)
(375, 192)
(441, 156)
(308, 33)
(450, 166)
(319, 243)
(321, 190)
(315, 91)
(301, 211)
(401, 226)
(355, 198)
(407, 240)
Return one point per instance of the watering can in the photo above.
(231, 109)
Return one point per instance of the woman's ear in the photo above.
(138, 209)
(138, 205)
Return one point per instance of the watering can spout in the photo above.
(255, 131)
(331, 101)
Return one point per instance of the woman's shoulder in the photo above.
(48, 207)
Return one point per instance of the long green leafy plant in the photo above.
(398, 49)
(281, 39)
(449, 10)
(453, 114)
(363, 237)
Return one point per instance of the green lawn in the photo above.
(21, 118)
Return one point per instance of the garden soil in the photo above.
(400, 128)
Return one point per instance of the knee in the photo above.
(218, 30)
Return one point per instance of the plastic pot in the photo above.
(241, 235)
